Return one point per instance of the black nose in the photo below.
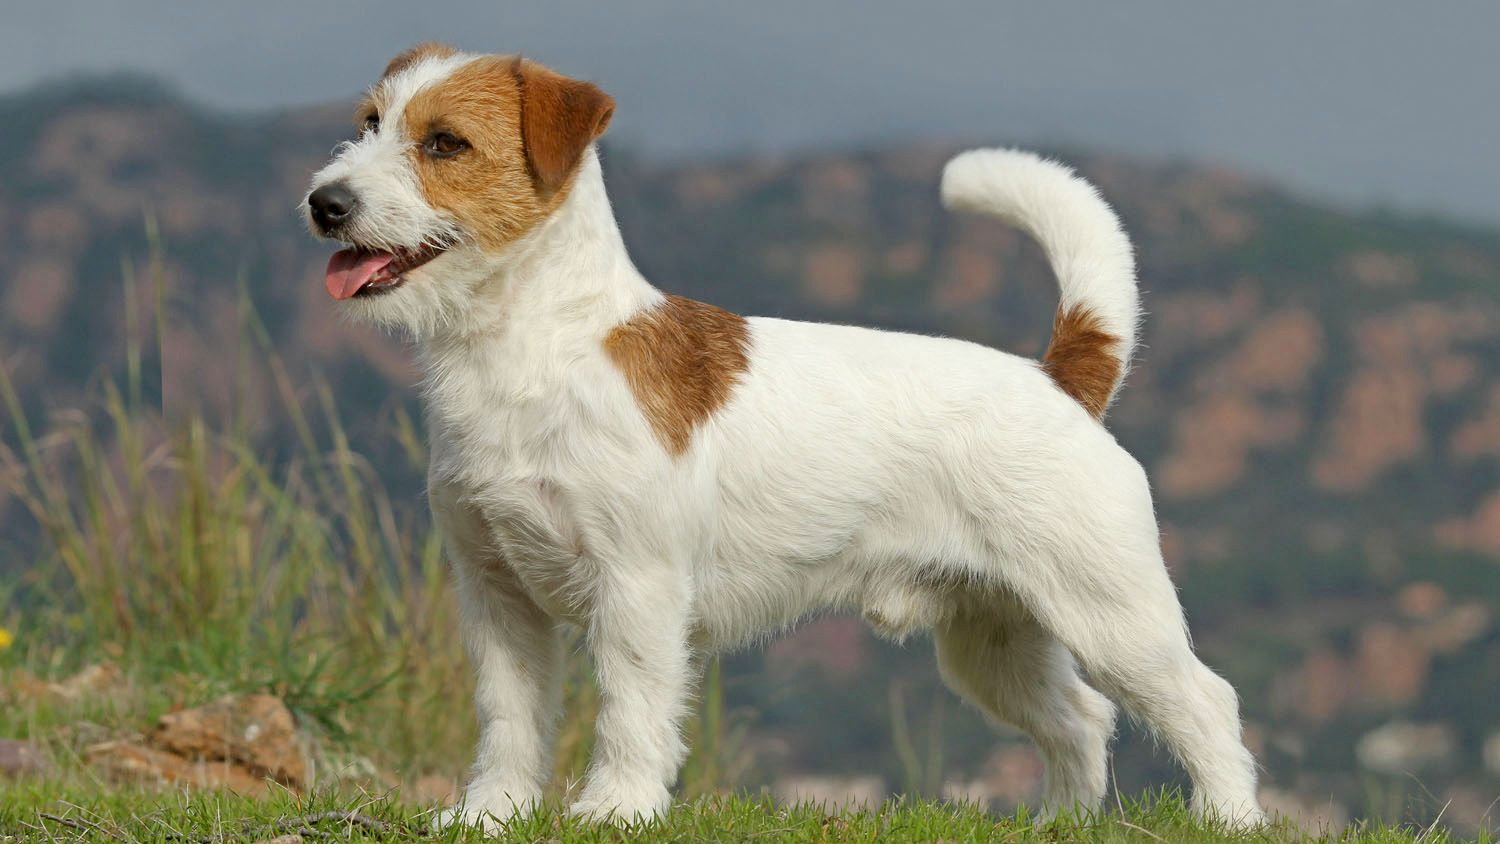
(331, 205)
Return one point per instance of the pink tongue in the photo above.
(350, 269)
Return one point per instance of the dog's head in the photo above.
(458, 156)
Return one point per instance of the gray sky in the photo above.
(1388, 102)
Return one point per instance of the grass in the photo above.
(192, 549)
(195, 552)
(181, 547)
(146, 817)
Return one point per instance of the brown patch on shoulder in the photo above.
(1082, 359)
(682, 360)
(407, 58)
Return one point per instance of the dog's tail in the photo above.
(1093, 334)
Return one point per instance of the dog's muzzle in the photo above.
(331, 206)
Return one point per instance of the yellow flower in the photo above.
(5, 638)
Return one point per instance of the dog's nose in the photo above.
(331, 205)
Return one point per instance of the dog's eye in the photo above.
(445, 145)
(372, 123)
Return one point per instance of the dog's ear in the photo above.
(560, 117)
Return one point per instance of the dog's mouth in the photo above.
(358, 271)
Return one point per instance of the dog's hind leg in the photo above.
(1146, 663)
(1102, 589)
(995, 655)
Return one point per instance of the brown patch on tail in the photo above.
(682, 360)
(1081, 359)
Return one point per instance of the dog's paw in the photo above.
(490, 809)
(620, 807)
(461, 816)
(1244, 815)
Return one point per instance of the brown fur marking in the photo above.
(1081, 358)
(425, 50)
(371, 104)
(682, 360)
(501, 107)
(487, 187)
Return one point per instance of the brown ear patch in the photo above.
(1081, 358)
(682, 359)
(407, 58)
(560, 117)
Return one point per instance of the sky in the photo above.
(1362, 103)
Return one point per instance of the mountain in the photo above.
(1317, 397)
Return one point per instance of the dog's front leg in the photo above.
(517, 655)
(638, 636)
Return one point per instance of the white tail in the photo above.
(1094, 333)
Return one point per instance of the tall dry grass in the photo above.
(202, 555)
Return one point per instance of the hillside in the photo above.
(1317, 399)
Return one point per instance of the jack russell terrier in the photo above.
(676, 479)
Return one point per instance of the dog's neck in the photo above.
(556, 291)
(571, 272)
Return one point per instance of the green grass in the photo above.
(190, 548)
(146, 817)
(176, 544)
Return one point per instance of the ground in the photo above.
(41, 813)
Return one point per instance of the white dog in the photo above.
(675, 479)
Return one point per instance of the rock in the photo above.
(239, 743)
(1404, 748)
(833, 275)
(256, 731)
(1457, 628)
(92, 681)
(1391, 663)
(22, 758)
(1319, 688)
(1381, 269)
(20, 686)
(139, 763)
(1421, 600)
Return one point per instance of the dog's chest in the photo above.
(529, 519)
(524, 458)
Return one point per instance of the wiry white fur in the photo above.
(933, 484)
(1084, 241)
(393, 213)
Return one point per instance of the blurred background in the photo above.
(205, 474)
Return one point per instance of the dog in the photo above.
(675, 479)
